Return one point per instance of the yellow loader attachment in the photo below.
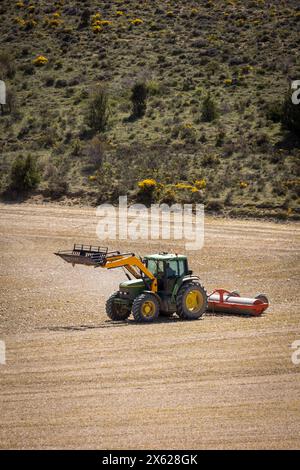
(98, 256)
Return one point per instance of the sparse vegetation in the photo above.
(184, 103)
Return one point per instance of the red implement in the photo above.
(221, 300)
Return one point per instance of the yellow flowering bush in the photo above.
(105, 23)
(57, 14)
(183, 186)
(25, 24)
(136, 21)
(147, 183)
(148, 190)
(55, 23)
(119, 13)
(243, 184)
(96, 28)
(20, 5)
(31, 24)
(228, 81)
(200, 184)
(20, 21)
(96, 17)
(246, 69)
(40, 60)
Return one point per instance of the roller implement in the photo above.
(159, 284)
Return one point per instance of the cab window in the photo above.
(172, 268)
(181, 267)
(155, 267)
(152, 266)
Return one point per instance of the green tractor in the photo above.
(177, 291)
(159, 284)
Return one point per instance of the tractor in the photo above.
(158, 284)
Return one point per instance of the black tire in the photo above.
(191, 313)
(114, 311)
(140, 306)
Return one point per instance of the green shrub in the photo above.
(274, 112)
(98, 109)
(85, 19)
(139, 94)
(290, 118)
(214, 205)
(24, 174)
(7, 66)
(209, 109)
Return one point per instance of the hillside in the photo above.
(237, 56)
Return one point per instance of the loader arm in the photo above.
(132, 263)
(100, 257)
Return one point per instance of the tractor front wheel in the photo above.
(116, 311)
(145, 308)
(191, 301)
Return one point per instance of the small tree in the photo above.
(139, 96)
(290, 117)
(209, 109)
(24, 174)
(85, 19)
(98, 110)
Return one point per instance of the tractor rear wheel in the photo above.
(145, 308)
(191, 301)
(115, 310)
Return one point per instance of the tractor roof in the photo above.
(166, 256)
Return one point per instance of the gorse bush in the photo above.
(98, 109)
(139, 96)
(24, 174)
(146, 191)
(40, 60)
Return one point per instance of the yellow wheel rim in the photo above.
(148, 308)
(194, 301)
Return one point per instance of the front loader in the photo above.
(160, 284)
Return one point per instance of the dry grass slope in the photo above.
(244, 53)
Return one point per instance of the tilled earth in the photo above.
(74, 379)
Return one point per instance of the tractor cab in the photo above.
(168, 269)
